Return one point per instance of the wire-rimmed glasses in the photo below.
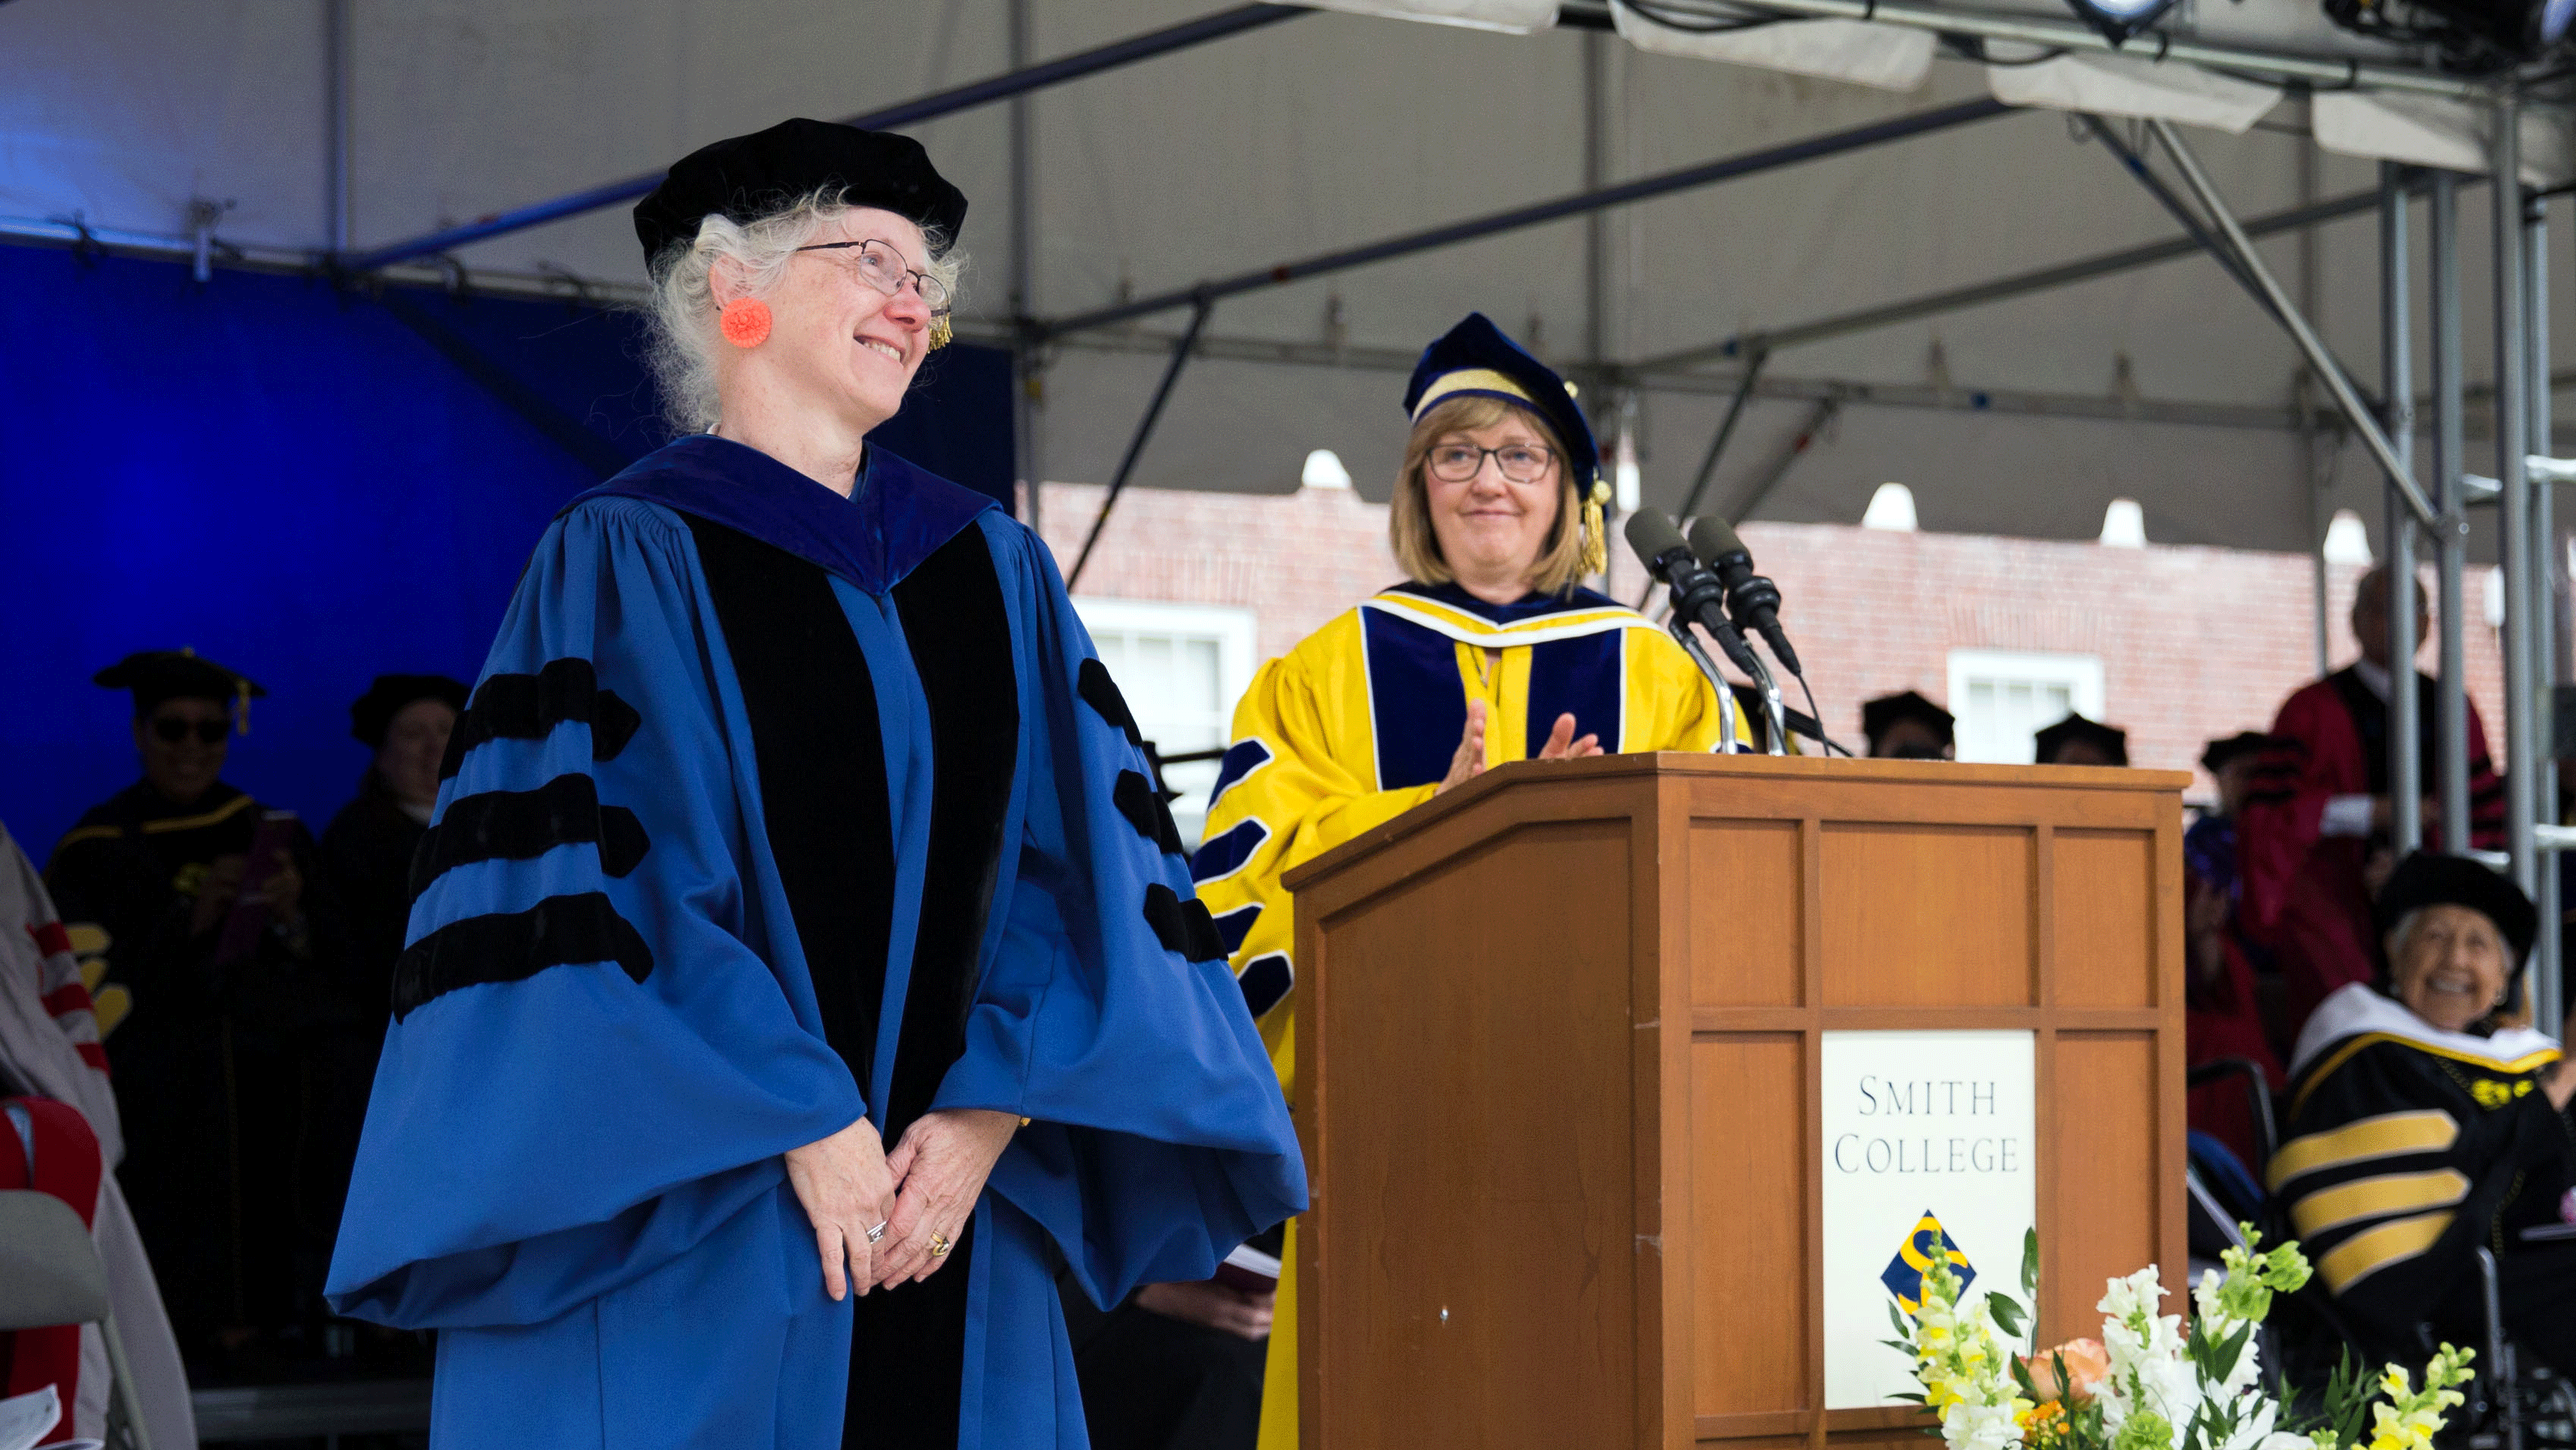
(882, 267)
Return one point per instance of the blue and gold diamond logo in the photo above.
(1904, 1275)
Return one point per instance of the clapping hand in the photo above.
(1469, 761)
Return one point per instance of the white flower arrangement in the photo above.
(2150, 1382)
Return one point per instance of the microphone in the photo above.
(1753, 600)
(1698, 595)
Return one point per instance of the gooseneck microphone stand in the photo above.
(1698, 596)
(1727, 719)
(1771, 706)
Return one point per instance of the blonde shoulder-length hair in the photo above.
(1408, 524)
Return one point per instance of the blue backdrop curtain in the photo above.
(311, 485)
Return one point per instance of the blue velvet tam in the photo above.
(1476, 359)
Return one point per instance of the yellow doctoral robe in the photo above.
(1357, 725)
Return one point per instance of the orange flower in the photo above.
(2043, 1424)
(2087, 1364)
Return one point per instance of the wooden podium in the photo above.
(1557, 1065)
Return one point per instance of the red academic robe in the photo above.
(2304, 896)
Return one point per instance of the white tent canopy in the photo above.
(2165, 384)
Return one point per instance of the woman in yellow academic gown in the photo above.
(1489, 652)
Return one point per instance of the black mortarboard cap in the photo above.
(2242, 743)
(1476, 359)
(2426, 879)
(155, 675)
(748, 177)
(2113, 740)
(1877, 716)
(372, 714)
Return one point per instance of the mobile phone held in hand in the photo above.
(249, 914)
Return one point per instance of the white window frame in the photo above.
(2080, 673)
(1233, 628)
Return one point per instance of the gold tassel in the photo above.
(1596, 534)
(940, 332)
(241, 707)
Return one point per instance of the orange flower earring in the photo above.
(745, 322)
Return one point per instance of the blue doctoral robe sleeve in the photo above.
(1160, 1139)
(590, 1069)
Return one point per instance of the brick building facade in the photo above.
(2193, 643)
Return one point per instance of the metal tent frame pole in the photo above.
(2541, 606)
(2001, 289)
(2398, 470)
(1645, 188)
(2397, 388)
(339, 111)
(939, 103)
(2137, 167)
(1136, 443)
(2513, 498)
(1024, 242)
(1946, 19)
(2451, 531)
(1725, 430)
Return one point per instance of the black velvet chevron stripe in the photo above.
(1265, 981)
(1235, 925)
(518, 825)
(1101, 692)
(529, 707)
(1182, 926)
(1146, 812)
(560, 931)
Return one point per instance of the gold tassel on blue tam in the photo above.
(1596, 529)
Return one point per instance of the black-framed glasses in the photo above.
(173, 729)
(1459, 462)
(881, 266)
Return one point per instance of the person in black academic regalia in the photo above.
(362, 904)
(205, 1004)
(366, 851)
(1907, 726)
(2078, 741)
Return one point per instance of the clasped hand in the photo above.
(925, 1189)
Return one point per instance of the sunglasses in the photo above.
(208, 732)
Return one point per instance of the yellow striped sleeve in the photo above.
(2383, 1136)
(2365, 1254)
(2528, 1062)
(88, 833)
(2377, 1198)
(219, 814)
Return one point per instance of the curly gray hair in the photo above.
(681, 315)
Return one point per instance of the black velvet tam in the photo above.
(1879, 716)
(1475, 358)
(748, 177)
(2113, 740)
(2427, 879)
(155, 675)
(2242, 743)
(372, 714)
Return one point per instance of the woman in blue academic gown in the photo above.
(803, 971)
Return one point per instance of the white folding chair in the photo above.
(50, 1275)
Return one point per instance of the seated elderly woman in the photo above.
(1492, 651)
(2423, 1125)
(803, 974)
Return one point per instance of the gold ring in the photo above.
(938, 1246)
